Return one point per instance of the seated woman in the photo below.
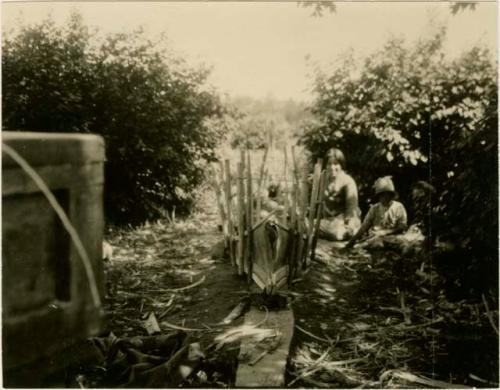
(387, 216)
(341, 214)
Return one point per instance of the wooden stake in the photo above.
(295, 165)
(312, 209)
(229, 211)
(286, 201)
(293, 211)
(218, 197)
(296, 228)
(241, 220)
(322, 186)
(261, 178)
(303, 199)
(249, 221)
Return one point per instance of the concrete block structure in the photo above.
(47, 303)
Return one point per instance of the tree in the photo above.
(151, 108)
(260, 122)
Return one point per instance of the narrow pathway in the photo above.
(351, 328)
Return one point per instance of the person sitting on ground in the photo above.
(341, 214)
(386, 217)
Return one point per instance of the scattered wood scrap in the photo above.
(419, 379)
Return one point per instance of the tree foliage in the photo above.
(261, 122)
(410, 113)
(151, 108)
(320, 6)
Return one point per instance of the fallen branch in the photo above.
(169, 307)
(476, 378)
(341, 377)
(258, 358)
(169, 325)
(237, 312)
(131, 295)
(186, 287)
(488, 314)
(411, 327)
(343, 362)
(270, 349)
(312, 335)
(312, 368)
(304, 374)
(315, 383)
(422, 380)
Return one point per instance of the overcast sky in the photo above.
(260, 48)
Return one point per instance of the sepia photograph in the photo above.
(250, 194)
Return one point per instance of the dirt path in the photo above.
(351, 329)
(152, 271)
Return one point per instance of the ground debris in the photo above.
(138, 361)
(161, 281)
(151, 324)
(238, 311)
(418, 379)
(388, 308)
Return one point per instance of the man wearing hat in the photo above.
(387, 216)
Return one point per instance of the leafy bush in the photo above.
(253, 133)
(150, 107)
(265, 121)
(413, 114)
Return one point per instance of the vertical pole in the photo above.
(312, 207)
(244, 209)
(322, 186)
(250, 221)
(286, 202)
(304, 192)
(259, 185)
(294, 234)
(230, 227)
(218, 198)
(241, 220)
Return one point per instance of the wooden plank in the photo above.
(263, 260)
(269, 371)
